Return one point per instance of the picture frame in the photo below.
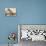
(10, 11)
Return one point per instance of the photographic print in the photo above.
(10, 11)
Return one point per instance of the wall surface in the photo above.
(28, 12)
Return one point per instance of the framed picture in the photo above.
(10, 11)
